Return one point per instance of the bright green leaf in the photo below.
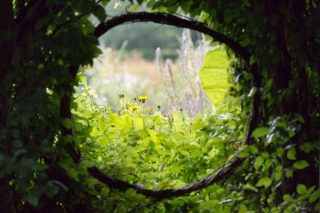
(265, 181)
(250, 187)
(301, 164)
(213, 75)
(260, 132)
(301, 189)
(244, 153)
(258, 162)
(291, 154)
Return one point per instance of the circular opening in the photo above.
(156, 121)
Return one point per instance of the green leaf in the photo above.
(301, 189)
(291, 154)
(306, 147)
(278, 172)
(265, 181)
(138, 123)
(301, 164)
(258, 162)
(213, 75)
(130, 193)
(244, 153)
(133, 7)
(314, 196)
(253, 149)
(286, 197)
(242, 209)
(260, 132)
(105, 191)
(289, 173)
(279, 151)
(250, 187)
(82, 79)
(212, 188)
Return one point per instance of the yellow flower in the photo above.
(133, 107)
(143, 98)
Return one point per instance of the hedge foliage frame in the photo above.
(39, 68)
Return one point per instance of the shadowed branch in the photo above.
(222, 174)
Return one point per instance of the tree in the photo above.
(43, 44)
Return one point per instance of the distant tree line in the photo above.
(146, 37)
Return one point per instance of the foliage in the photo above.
(133, 145)
(213, 75)
(43, 45)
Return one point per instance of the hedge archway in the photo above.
(44, 43)
(226, 170)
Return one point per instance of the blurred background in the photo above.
(164, 63)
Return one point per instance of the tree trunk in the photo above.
(6, 52)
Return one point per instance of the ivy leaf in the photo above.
(278, 172)
(260, 132)
(314, 196)
(253, 149)
(301, 164)
(250, 187)
(265, 181)
(258, 162)
(291, 154)
(243, 153)
(301, 189)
